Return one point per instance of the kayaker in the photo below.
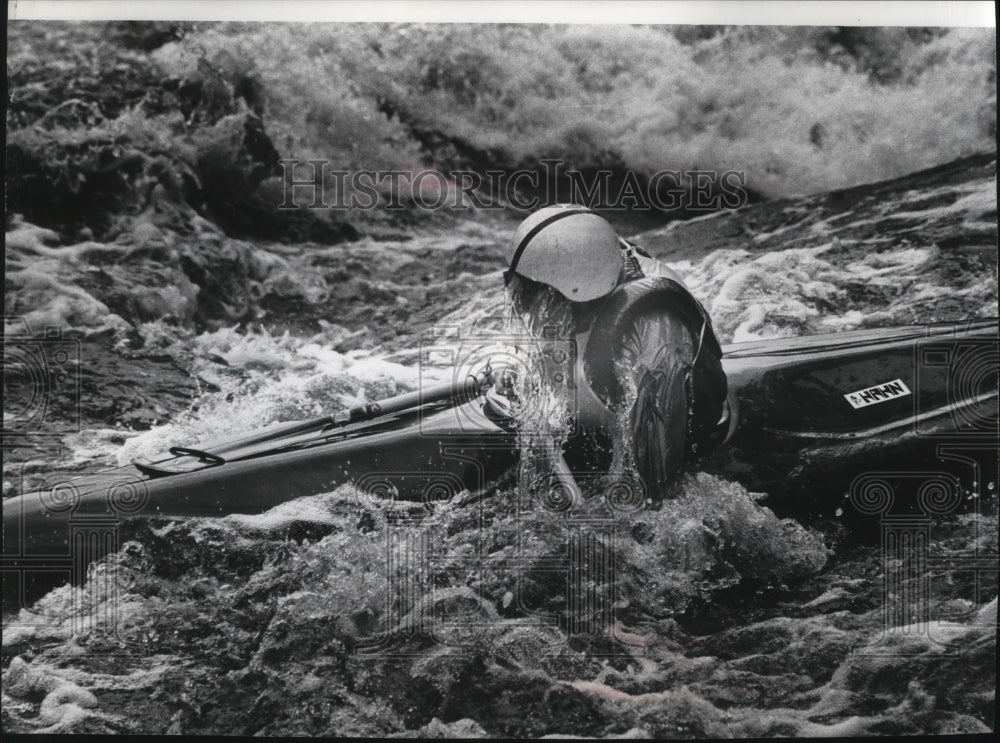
(648, 362)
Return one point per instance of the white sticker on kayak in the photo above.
(878, 393)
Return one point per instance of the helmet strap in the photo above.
(519, 251)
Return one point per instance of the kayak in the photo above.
(806, 415)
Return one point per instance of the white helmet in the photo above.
(569, 248)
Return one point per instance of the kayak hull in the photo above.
(423, 455)
(809, 417)
(925, 395)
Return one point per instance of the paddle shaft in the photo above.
(470, 387)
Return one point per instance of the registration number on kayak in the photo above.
(878, 393)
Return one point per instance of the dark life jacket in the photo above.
(599, 329)
(599, 391)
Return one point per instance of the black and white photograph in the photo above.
(500, 370)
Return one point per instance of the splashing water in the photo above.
(513, 611)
